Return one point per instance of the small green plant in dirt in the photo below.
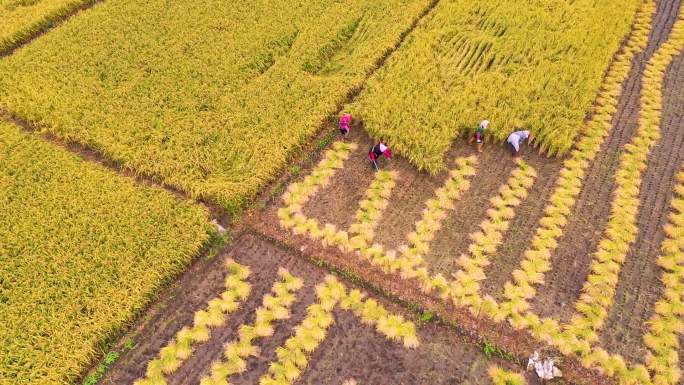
(295, 171)
(490, 350)
(425, 318)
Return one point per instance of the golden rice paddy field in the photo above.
(127, 127)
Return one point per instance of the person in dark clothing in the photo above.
(380, 149)
(478, 135)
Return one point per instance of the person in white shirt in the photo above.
(516, 139)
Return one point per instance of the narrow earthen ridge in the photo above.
(50, 22)
(87, 154)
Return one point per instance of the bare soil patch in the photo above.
(355, 350)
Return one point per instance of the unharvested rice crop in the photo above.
(530, 64)
(81, 252)
(211, 97)
(22, 18)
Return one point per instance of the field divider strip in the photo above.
(87, 154)
(49, 22)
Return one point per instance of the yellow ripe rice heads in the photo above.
(82, 251)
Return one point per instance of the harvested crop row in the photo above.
(598, 293)
(291, 215)
(275, 307)
(293, 356)
(370, 209)
(465, 290)
(536, 260)
(82, 252)
(666, 325)
(210, 97)
(437, 209)
(23, 18)
(180, 348)
(530, 64)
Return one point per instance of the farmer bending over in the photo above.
(478, 136)
(516, 139)
(344, 124)
(377, 150)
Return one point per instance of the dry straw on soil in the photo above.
(275, 307)
(180, 348)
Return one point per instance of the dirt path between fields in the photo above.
(571, 261)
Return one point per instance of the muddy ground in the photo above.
(351, 350)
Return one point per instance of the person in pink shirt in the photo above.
(345, 120)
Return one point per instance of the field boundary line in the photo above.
(88, 154)
(48, 23)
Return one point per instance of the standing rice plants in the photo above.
(81, 249)
(666, 326)
(21, 19)
(179, 349)
(536, 261)
(520, 63)
(274, 307)
(465, 290)
(109, 81)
